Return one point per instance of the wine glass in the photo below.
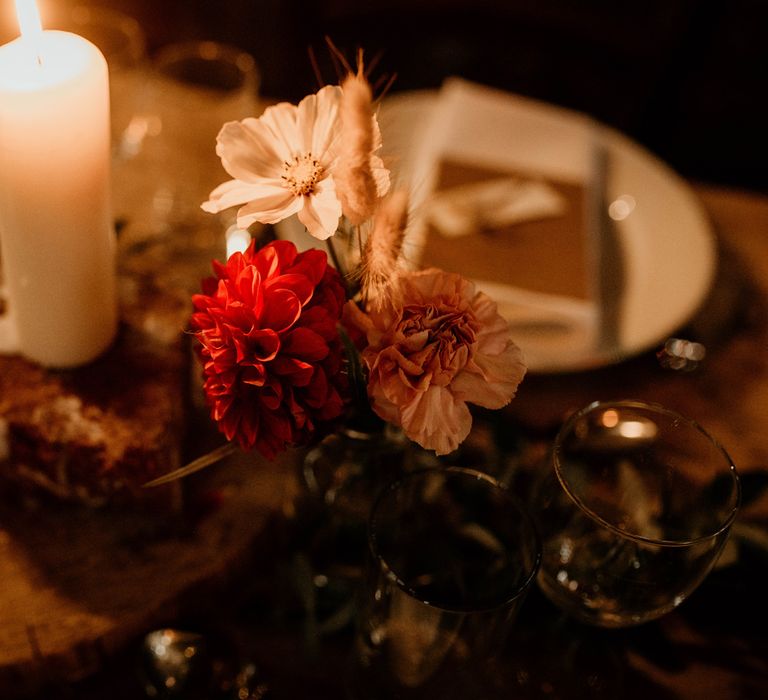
(634, 514)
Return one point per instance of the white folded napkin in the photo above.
(492, 204)
(495, 130)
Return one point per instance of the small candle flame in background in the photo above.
(30, 26)
(237, 240)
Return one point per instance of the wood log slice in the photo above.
(76, 585)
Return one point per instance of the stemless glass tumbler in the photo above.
(453, 554)
(120, 38)
(634, 514)
(195, 88)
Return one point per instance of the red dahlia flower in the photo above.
(271, 352)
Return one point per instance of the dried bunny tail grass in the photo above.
(379, 265)
(353, 176)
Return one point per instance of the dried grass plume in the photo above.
(356, 186)
(379, 265)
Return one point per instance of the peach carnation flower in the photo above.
(442, 346)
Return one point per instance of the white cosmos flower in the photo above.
(282, 164)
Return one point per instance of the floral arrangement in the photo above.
(287, 341)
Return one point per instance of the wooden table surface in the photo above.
(714, 646)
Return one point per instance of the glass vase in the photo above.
(346, 471)
(341, 478)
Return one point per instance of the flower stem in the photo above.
(195, 466)
(340, 269)
(359, 232)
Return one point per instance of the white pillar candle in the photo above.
(57, 240)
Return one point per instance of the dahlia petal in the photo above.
(255, 375)
(222, 355)
(282, 308)
(312, 263)
(299, 285)
(299, 372)
(305, 344)
(200, 320)
(220, 408)
(332, 407)
(275, 423)
(322, 321)
(316, 392)
(331, 292)
(302, 423)
(222, 271)
(209, 285)
(248, 287)
(245, 428)
(270, 398)
(272, 259)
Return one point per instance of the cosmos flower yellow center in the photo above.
(301, 174)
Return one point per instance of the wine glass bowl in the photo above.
(634, 513)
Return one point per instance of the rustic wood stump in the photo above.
(76, 585)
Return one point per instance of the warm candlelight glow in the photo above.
(29, 19)
(58, 240)
(237, 240)
(30, 25)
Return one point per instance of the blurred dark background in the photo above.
(686, 78)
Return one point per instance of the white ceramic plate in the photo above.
(665, 240)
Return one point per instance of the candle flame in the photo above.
(237, 240)
(30, 25)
